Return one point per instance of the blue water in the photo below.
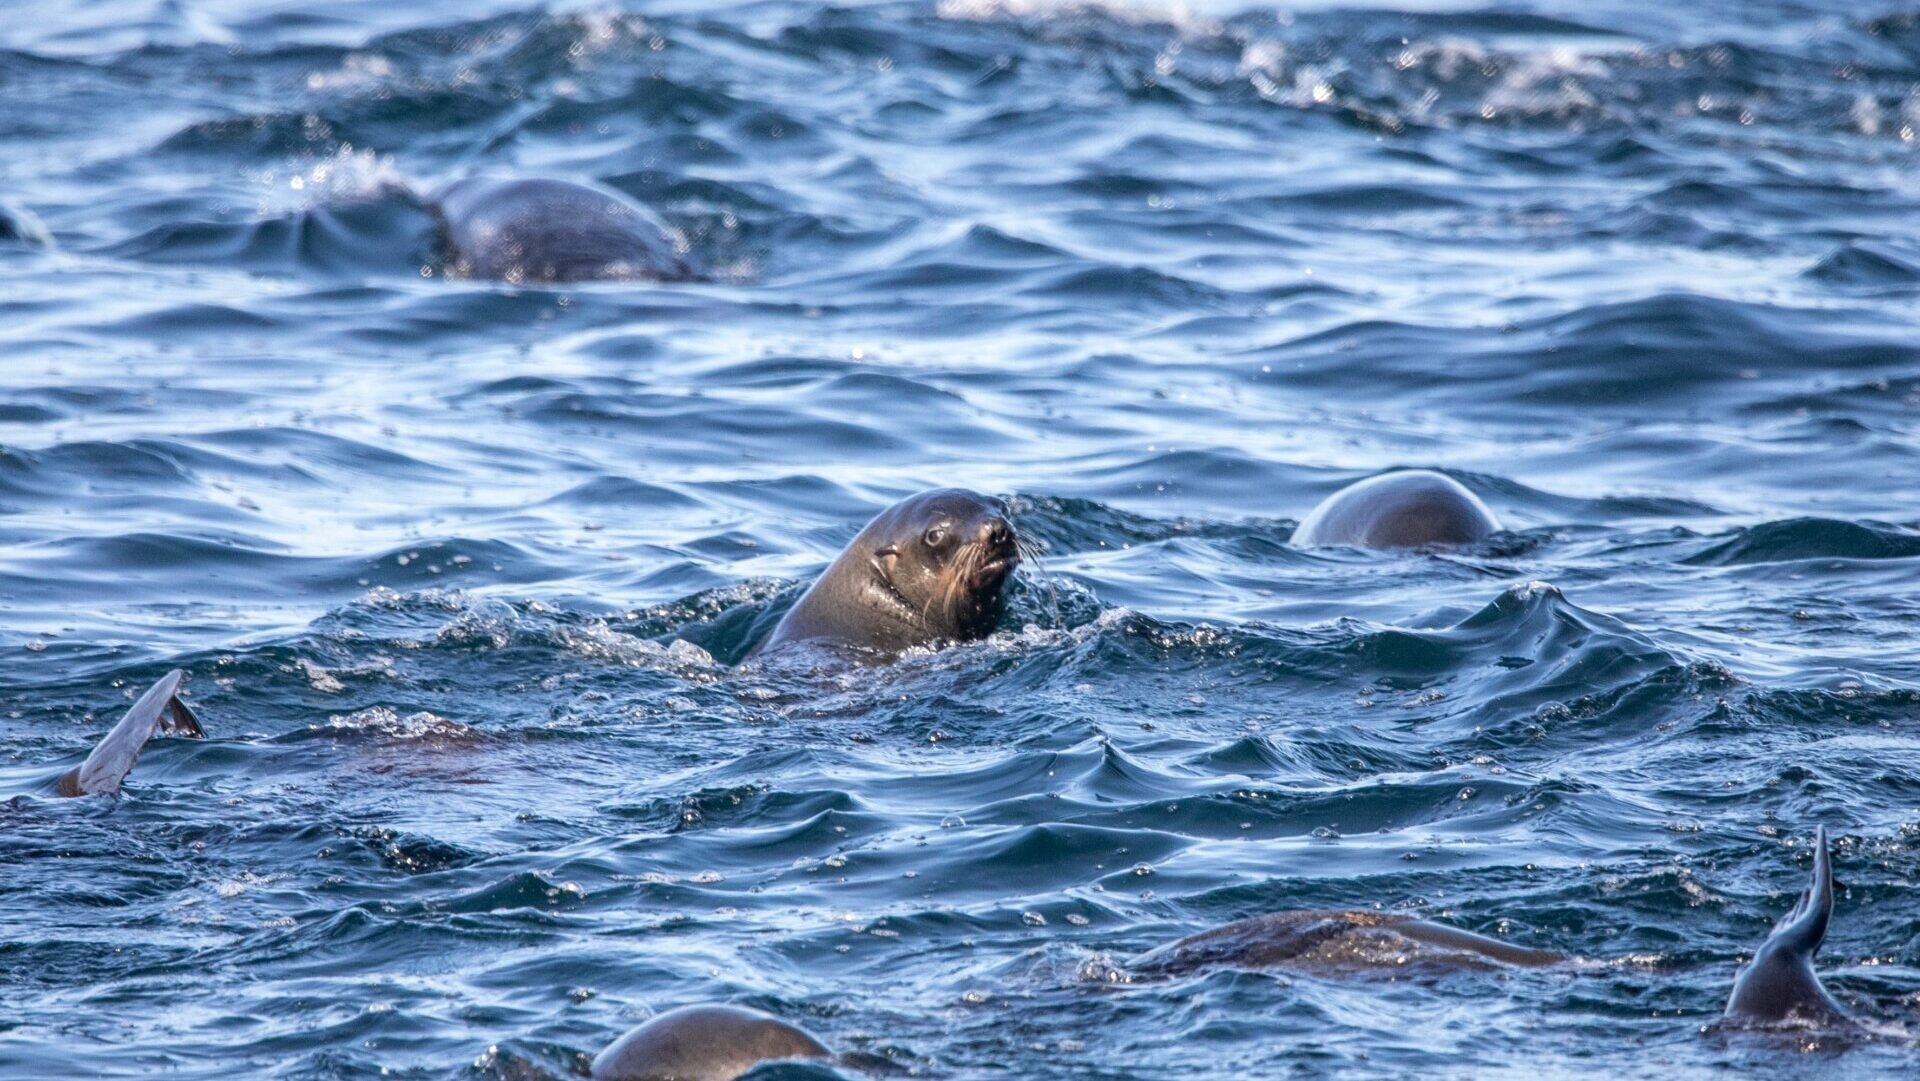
(459, 569)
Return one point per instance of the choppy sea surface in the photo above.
(460, 570)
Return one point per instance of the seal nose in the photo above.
(996, 532)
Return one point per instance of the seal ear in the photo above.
(884, 559)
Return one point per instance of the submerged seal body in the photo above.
(22, 227)
(158, 710)
(1779, 984)
(932, 567)
(1408, 509)
(546, 230)
(1332, 940)
(703, 1043)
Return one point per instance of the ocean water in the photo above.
(460, 570)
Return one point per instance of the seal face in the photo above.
(932, 567)
(1408, 509)
(541, 230)
(703, 1043)
(1779, 984)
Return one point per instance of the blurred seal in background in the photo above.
(542, 230)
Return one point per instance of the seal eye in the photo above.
(936, 537)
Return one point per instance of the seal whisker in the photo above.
(1030, 553)
(966, 561)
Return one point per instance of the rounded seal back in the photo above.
(932, 567)
(1408, 509)
(703, 1043)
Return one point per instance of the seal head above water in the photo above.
(1779, 984)
(543, 230)
(703, 1043)
(1412, 508)
(932, 567)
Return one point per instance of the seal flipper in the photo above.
(1330, 939)
(1454, 938)
(160, 709)
(1806, 928)
(1780, 984)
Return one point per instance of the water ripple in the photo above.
(462, 571)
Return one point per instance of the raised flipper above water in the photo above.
(1779, 984)
(158, 710)
(1333, 940)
